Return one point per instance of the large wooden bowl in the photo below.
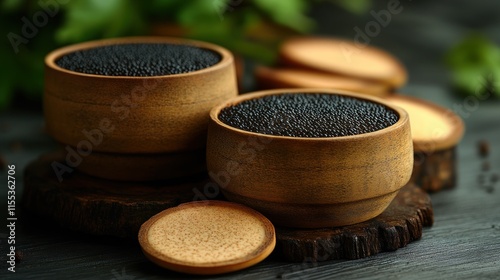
(162, 115)
(310, 182)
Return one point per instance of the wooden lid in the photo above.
(207, 237)
(303, 78)
(433, 127)
(345, 58)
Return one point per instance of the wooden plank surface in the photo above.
(464, 242)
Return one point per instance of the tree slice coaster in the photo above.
(435, 131)
(97, 206)
(435, 171)
(400, 224)
(270, 78)
(345, 58)
(207, 237)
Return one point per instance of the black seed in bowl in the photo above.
(139, 59)
(308, 115)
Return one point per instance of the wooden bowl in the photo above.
(127, 115)
(310, 182)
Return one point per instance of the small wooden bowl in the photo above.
(127, 115)
(310, 182)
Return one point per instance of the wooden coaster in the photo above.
(207, 237)
(400, 224)
(270, 78)
(98, 206)
(435, 131)
(342, 57)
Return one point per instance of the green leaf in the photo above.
(475, 66)
(11, 5)
(289, 13)
(91, 19)
(358, 7)
(199, 12)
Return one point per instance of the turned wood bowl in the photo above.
(115, 119)
(310, 182)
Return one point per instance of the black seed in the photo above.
(308, 115)
(152, 59)
(483, 148)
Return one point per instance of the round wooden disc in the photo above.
(207, 237)
(270, 78)
(433, 127)
(345, 58)
(98, 206)
(400, 224)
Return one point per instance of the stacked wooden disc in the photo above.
(313, 62)
(436, 132)
(333, 63)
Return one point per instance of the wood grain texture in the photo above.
(435, 171)
(401, 223)
(433, 127)
(274, 78)
(343, 57)
(100, 207)
(135, 118)
(464, 242)
(238, 237)
(143, 167)
(310, 182)
(436, 131)
(143, 114)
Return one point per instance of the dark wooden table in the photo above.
(464, 243)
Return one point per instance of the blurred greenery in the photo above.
(250, 28)
(475, 66)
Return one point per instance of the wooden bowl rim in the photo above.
(226, 55)
(213, 268)
(402, 114)
(448, 142)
